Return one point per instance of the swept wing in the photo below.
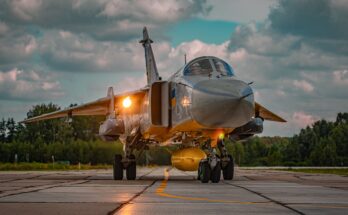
(98, 107)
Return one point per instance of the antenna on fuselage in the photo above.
(185, 58)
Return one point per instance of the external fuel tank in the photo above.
(187, 159)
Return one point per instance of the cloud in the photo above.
(25, 9)
(16, 48)
(16, 84)
(3, 28)
(320, 19)
(302, 119)
(304, 85)
(240, 10)
(297, 49)
(69, 52)
(293, 51)
(340, 77)
(114, 20)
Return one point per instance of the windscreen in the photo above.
(206, 66)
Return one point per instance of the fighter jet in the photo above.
(197, 108)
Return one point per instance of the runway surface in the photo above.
(158, 191)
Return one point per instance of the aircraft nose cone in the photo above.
(222, 103)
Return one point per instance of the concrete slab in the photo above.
(56, 208)
(201, 208)
(94, 192)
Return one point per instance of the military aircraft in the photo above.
(198, 107)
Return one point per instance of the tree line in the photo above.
(324, 143)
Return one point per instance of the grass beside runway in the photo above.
(49, 166)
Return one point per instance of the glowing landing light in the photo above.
(185, 101)
(127, 102)
(221, 136)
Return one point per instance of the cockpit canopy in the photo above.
(208, 65)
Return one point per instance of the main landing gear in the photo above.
(128, 164)
(211, 167)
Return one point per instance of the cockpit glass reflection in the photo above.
(206, 66)
(222, 67)
(202, 67)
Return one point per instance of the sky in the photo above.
(70, 51)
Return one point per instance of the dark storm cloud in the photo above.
(311, 18)
(101, 19)
(299, 35)
(33, 31)
(298, 57)
(28, 85)
(320, 23)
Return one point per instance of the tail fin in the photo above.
(151, 68)
(110, 95)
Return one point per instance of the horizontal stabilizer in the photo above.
(266, 114)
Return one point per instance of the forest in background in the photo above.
(324, 143)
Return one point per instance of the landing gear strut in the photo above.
(118, 167)
(227, 164)
(211, 167)
(131, 169)
(128, 162)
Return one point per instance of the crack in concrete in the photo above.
(122, 205)
(268, 198)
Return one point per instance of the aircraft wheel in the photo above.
(216, 173)
(228, 171)
(204, 171)
(118, 167)
(131, 171)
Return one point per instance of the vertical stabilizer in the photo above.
(110, 94)
(151, 68)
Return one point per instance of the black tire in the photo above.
(204, 171)
(228, 171)
(118, 167)
(216, 173)
(131, 171)
(199, 171)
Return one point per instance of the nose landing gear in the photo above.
(227, 164)
(211, 167)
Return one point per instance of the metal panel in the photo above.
(159, 104)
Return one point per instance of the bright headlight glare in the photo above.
(127, 102)
(185, 101)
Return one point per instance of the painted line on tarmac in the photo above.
(161, 192)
